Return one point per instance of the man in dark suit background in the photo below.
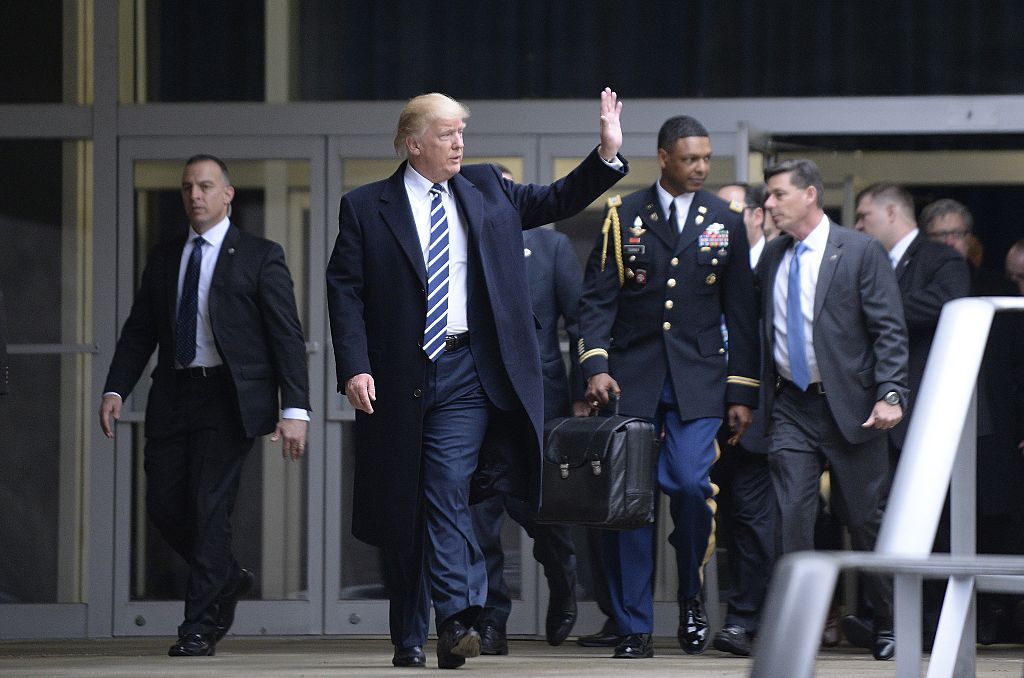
(835, 341)
(929, 274)
(218, 305)
(554, 275)
(673, 261)
(436, 349)
(746, 500)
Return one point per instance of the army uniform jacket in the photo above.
(654, 301)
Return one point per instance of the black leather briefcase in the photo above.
(599, 472)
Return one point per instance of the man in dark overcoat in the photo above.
(436, 349)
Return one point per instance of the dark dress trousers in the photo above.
(198, 431)
(660, 337)
(4, 369)
(376, 281)
(860, 343)
(555, 276)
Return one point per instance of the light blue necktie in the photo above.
(795, 324)
(188, 307)
(437, 277)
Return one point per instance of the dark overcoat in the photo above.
(376, 282)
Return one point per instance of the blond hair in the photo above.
(420, 112)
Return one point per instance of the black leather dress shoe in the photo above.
(693, 627)
(858, 631)
(884, 646)
(606, 637)
(734, 639)
(455, 642)
(227, 601)
(560, 620)
(410, 656)
(193, 645)
(635, 646)
(493, 640)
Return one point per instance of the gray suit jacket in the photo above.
(860, 335)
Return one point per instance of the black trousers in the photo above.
(192, 477)
(552, 547)
(746, 517)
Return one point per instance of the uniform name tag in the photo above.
(634, 249)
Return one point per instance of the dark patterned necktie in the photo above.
(188, 307)
(436, 325)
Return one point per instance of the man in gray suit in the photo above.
(835, 343)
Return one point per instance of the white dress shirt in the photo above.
(755, 252)
(810, 264)
(417, 187)
(682, 201)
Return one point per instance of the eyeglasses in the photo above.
(948, 235)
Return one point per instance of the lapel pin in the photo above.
(699, 220)
(527, 252)
(702, 209)
(231, 250)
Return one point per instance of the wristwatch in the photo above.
(892, 397)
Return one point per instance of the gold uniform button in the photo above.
(714, 262)
(668, 303)
(632, 257)
(667, 326)
(675, 261)
(671, 282)
(721, 350)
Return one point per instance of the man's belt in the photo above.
(201, 372)
(817, 388)
(456, 341)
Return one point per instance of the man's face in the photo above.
(753, 217)
(1015, 267)
(686, 165)
(873, 218)
(205, 194)
(951, 230)
(437, 155)
(788, 205)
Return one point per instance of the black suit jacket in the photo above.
(929, 275)
(255, 324)
(376, 282)
(555, 276)
(4, 369)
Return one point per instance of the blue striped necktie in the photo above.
(188, 307)
(795, 324)
(436, 326)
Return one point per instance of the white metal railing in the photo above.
(939, 453)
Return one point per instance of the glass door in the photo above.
(277, 521)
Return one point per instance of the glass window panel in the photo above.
(47, 416)
(270, 518)
(34, 32)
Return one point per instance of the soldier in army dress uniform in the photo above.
(671, 263)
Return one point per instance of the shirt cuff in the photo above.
(614, 163)
(295, 413)
(113, 393)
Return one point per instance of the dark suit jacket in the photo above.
(666, 320)
(860, 336)
(255, 325)
(929, 274)
(376, 295)
(4, 369)
(555, 276)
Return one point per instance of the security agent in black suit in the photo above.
(746, 499)
(218, 306)
(554, 276)
(929, 275)
(671, 263)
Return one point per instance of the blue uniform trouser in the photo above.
(450, 572)
(688, 450)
